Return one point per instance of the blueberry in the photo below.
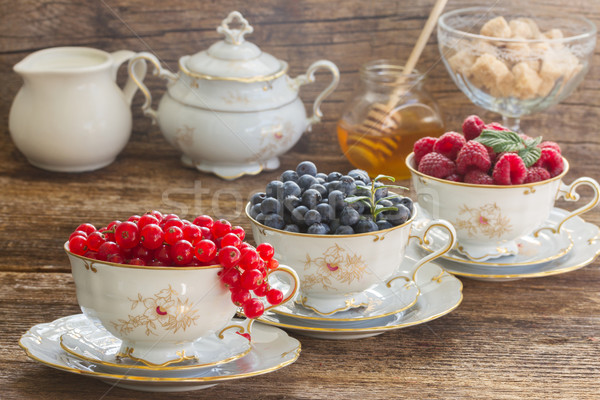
(398, 217)
(310, 198)
(408, 203)
(365, 225)
(291, 188)
(312, 217)
(362, 192)
(292, 228)
(274, 221)
(327, 212)
(334, 176)
(274, 189)
(381, 192)
(290, 202)
(318, 229)
(334, 224)
(347, 185)
(289, 175)
(257, 208)
(253, 213)
(385, 203)
(349, 216)
(331, 186)
(298, 214)
(306, 181)
(361, 207)
(320, 181)
(336, 200)
(319, 188)
(306, 168)
(383, 224)
(260, 218)
(258, 198)
(360, 175)
(270, 205)
(321, 175)
(344, 230)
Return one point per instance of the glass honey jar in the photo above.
(388, 113)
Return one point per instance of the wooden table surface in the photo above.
(530, 338)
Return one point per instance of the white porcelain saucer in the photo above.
(586, 247)
(440, 294)
(542, 247)
(271, 350)
(95, 344)
(381, 301)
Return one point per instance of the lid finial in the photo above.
(235, 36)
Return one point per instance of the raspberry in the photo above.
(473, 155)
(423, 146)
(552, 145)
(449, 144)
(509, 170)
(494, 126)
(437, 165)
(536, 174)
(454, 178)
(478, 177)
(551, 161)
(472, 127)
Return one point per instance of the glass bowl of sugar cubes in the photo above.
(512, 62)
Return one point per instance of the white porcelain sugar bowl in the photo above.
(232, 109)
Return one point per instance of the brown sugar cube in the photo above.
(496, 27)
(558, 63)
(484, 47)
(487, 72)
(533, 28)
(504, 86)
(462, 61)
(553, 34)
(520, 29)
(526, 81)
(517, 52)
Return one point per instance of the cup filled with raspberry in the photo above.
(163, 284)
(493, 185)
(343, 234)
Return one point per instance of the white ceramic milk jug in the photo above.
(70, 115)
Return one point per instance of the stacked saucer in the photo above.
(541, 253)
(432, 294)
(77, 345)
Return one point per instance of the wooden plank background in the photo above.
(533, 338)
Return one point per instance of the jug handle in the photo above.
(119, 57)
(309, 77)
(138, 79)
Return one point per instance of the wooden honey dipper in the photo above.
(380, 120)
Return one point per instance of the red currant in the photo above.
(78, 233)
(113, 225)
(192, 233)
(239, 231)
(231, 239)
(151, 236)
(251, 279)
(231, 277)
(249, 259)
(253, 308)
(170, 216)
(173, 234)
(141, 252)
(205, 250)
(262, 290)
(91, 254)
(220, 228)
(78, 245)
(163, 254)
(147, 219)
(274, 296)
(127, 235)
(136, 261)
(273, 264)
(203, 221)
(157, 214)
(107, 249)
(182, 252)
(173, 222)
(87, 228)
(134, 218)
(116, 258)
(266, 251)
(228, 256)
(95, 240)
(240, 296)
(206, 233)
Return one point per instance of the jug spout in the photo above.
(64, 60)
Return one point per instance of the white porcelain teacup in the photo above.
(488, 218)
(159, 312)
(336, 270)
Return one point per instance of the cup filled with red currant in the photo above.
(162, 284)
(494, 185)
(343, 234)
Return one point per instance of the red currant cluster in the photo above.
(154, 239)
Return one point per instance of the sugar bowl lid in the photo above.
(233, 59)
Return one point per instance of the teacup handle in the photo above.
(569, 193)
(245, 326)
(309, 77)
(118, 58)
(421, 236)
(138, 79)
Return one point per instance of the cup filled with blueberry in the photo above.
(493, 185)
(165, 286)
(343, 234)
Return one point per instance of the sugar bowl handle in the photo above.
(138, 79)
(309, 77)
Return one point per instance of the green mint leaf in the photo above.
(501, 141)
(354, 199)
(381, 209)
(389, 178)
(392, 187)
(530, 155)
(390, 197)
(363, 187)
(533, 142)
